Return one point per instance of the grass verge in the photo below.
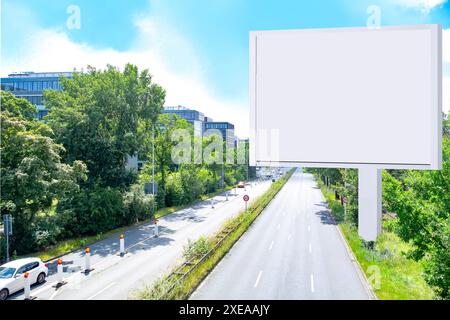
(400, 278)
(185, 278)
(70, 245)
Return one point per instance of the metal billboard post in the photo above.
(369, 203)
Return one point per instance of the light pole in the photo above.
(222, 182)
(153, 168)
(7, 224)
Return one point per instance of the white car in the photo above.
(11, 275)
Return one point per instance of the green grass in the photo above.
(242, 222)
(66, 246)
(401, 278)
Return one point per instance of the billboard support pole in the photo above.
(369, 203)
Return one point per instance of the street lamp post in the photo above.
(153, 169)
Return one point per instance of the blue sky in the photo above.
(197, 49)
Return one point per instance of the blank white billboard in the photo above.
(347, 97)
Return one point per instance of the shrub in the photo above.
(91, 211)
(47, 231)
(136, 205)
(196, 248)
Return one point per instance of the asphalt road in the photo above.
(292, 251)
(115, 277)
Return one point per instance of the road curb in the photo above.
(372, 295)
(362, 276)
(126, 228)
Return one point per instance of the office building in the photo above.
(226, 129)
(30, 85)
(194, 117)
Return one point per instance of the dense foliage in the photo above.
(421, 201)
(67, 176)
(32, 174)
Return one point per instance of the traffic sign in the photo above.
(148, 188)
(246, 198)
(7, 224)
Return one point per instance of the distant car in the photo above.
(241, 184)
(11, 275)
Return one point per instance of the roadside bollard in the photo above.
(60, 272)
(27, 286)
(212, 204)
(227, 196)
(87, 259)
(156, 230)
(122, 245)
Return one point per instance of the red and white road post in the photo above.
(60, 272)
(122, 245)
(27, 289)
(155, 221)
(87, 260)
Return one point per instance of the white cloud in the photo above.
(153, 48)
(423, 5)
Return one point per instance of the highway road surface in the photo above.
(292, 251)
(115, 277)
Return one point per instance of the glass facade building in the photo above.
(31, 85)
(226, 128)
(194, 117)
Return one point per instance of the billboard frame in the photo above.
(369, 173)
(436, 103)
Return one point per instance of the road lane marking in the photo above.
(53, 295)
(271, 245)
(279, 225)
(310, 248)
(309, 228)
(289, 237)
(101, 291)
(312, 283)
(257, 279)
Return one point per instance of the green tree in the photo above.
(101, 118)
(164, 143)
(32, 174)
(422, 203)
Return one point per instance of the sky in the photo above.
(196, 49)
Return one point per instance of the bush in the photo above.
(90, 212)
(47, 231)
(196, 248)
(137, 205)
(184, 186)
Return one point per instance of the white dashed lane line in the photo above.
(101, 291)
(257, 279)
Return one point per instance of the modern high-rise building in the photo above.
(194, 117)
(30, 85)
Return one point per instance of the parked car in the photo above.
(11, 275)
(241, 184)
